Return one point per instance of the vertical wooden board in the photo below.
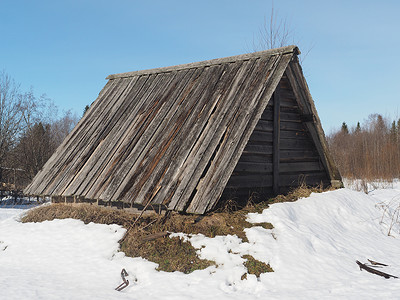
(212, 185)
(276, 141)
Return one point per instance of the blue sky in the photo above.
(66, 48)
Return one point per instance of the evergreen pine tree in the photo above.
(345, 129)
(85, 109)
(393, 132)
(358, 127)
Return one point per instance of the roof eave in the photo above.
(278, 51)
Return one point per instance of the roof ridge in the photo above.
(283, 50)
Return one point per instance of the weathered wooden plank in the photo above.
(232, 137)
(261, 136)
(290, 125)
(183, 132)
(298, 154)
(161, 146)
(285, 116)
(276, 139)
(285, 84)
(288, 144)
(189, 136)
(96, 140)
(248, 181)
(207, 199)
(263, 125)
(74, 155)
(312, 179)
(232, 59)
(256, 157)
(207, 143)
(43, 178)
(258, 148)
(253, 167)
(307, 106)
(112, 143)
(144, 105)
(120, 164)
(136, 151)
(173, 84)
(300, 167)
(295, 134)
(183, 108)
(255, 193)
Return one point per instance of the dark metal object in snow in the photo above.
(376, 263)
(125, 282)
(373, 271)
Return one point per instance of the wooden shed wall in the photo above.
(299, 160)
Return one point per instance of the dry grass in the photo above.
(302, 191)
(143, 236)
(255, 266)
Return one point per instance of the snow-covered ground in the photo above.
(312, 248)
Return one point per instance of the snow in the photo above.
(312, 248)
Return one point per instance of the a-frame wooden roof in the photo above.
(171, 135)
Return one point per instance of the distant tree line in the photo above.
(368, 151)
(30, 131)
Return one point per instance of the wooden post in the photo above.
(276, 141)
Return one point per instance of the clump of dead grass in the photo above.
(255, 266)
(302, 191)
(84, 212)
(171, 254)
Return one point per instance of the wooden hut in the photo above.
(187, 136)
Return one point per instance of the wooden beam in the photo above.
(218, 61)
(276, 140)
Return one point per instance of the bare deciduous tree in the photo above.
(276, 32)
(273, 34)
(30, 131)
(11, 102)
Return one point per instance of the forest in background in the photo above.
(369, 151)
(31, 128)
